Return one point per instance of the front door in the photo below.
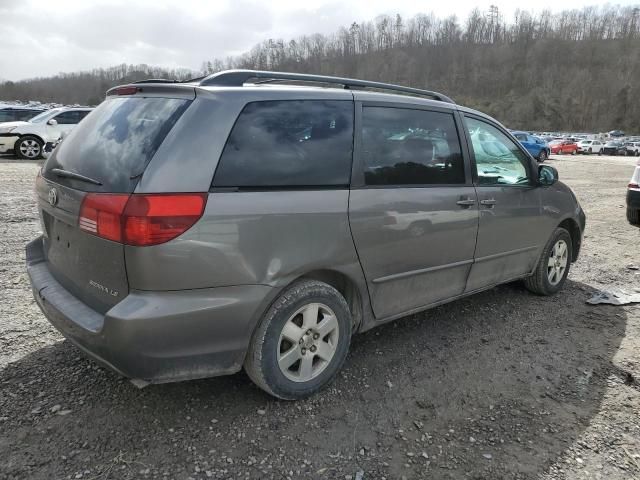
(511, 232)
(413, 209)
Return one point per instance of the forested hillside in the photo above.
(572, 70)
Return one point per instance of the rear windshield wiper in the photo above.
(76, 176)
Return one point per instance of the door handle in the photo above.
(466, 202)
(489, 202)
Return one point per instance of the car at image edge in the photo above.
(193, 229)
(28, 139)
(633, 197)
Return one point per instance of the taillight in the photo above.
(140, 219)
(126, 91)
(101, 215)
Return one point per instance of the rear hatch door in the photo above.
(106, 153)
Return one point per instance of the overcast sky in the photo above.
(44, 37)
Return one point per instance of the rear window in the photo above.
(289, 144)
(114, 144)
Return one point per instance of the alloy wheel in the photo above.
(308, 342)
(30, 148)
(557, 263)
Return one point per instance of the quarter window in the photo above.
(289, 143)
(410, 147)
(499, 161)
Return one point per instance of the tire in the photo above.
(633, 216)
(28, 147)
(540, 283)
(542, 156)
(269, 342)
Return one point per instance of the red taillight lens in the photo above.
(126, 90)
(101, 215)
(140, 220)
(154, 219)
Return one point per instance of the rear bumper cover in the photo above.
(155, 336)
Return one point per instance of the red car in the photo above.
(563, 147)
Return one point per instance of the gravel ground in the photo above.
(503, 384)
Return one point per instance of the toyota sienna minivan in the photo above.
(258, 220)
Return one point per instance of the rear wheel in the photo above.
(28, 147)
(553, 265)
(301, 342)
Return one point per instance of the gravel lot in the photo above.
(500, 385)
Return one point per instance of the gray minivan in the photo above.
(259, 219)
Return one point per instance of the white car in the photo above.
(590, 146)
(633, 148)
(27, 139)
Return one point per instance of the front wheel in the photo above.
(543, 156)
(28, 147)
(302, 341)
(553, 266)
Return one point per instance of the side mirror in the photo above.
(547, 175)
(53, 122)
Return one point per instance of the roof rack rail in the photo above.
(237, 78)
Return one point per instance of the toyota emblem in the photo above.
(53, 196)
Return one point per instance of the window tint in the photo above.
(289, 143)
(115, 143)
(499, 161)
(521, 136)
(410, 147)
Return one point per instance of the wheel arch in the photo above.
(572, 227)
(347, 287)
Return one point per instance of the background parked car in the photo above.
(18, 113)
(563, 147)
(537, 147)
(633, 198)
(633, 148)
(27, 139)
(614, 147)
(590, 146)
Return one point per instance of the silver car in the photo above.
(193, 229)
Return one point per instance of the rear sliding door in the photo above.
(413, 209)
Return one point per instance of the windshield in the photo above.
(115, 142)
(44, 116)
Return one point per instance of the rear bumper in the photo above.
(155, 336)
